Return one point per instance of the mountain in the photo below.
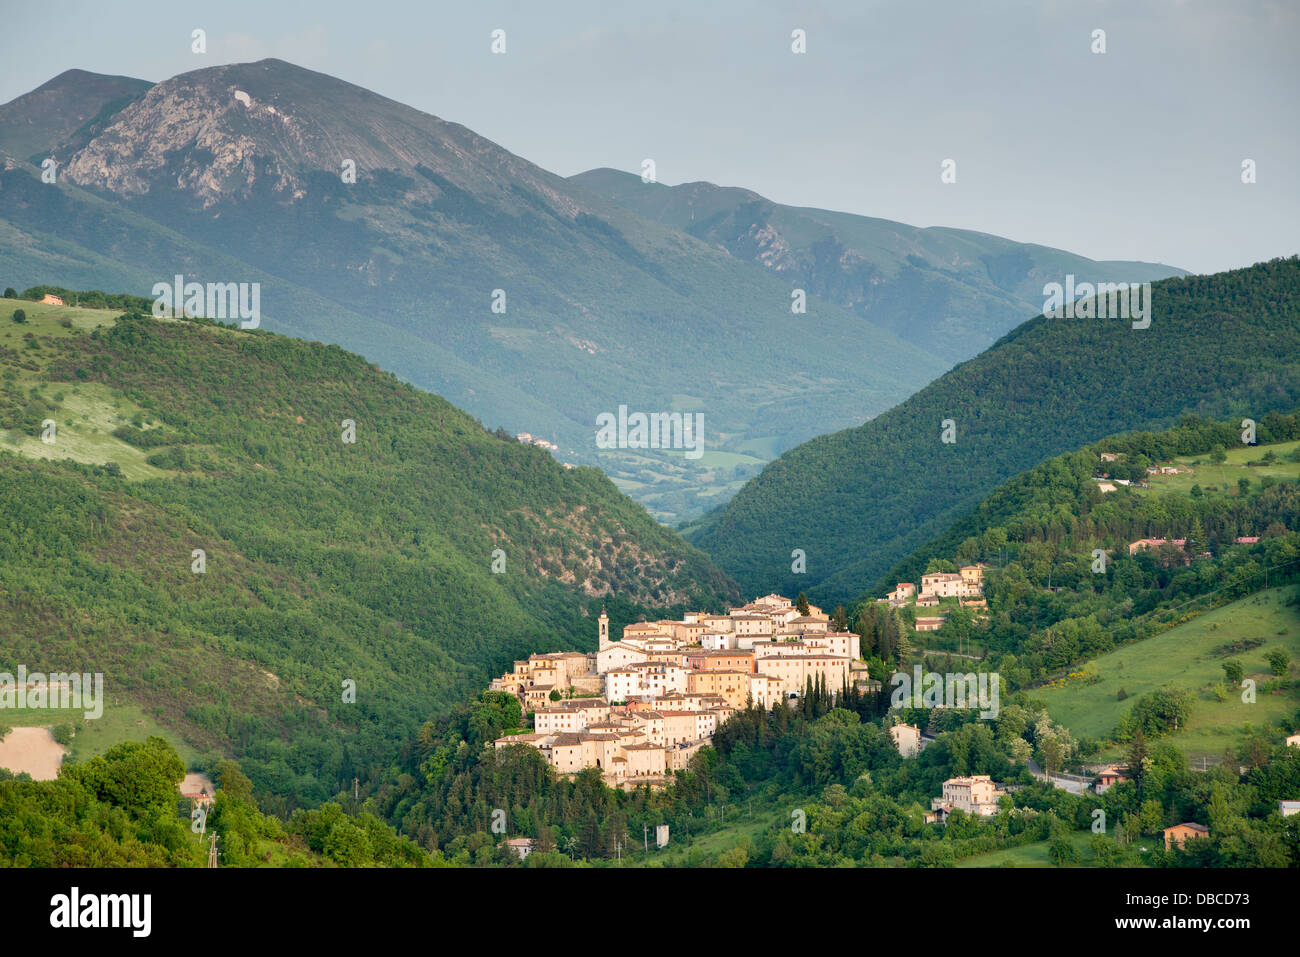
(200, 529)
(951, 292)
(859, 500)
(67, 109)
(526, 299)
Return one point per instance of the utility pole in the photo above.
(212, 851)
(645, 836)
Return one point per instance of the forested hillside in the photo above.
(349, 526)
(859, 500)
(1059, 503)
(121, 810)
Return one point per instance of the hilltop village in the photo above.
(640, 707)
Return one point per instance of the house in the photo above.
(1293, 741)
(1154, 543)
(1246, 540)
(976, 795)
(942, 584)
(1107, 778)
(1105, 487)
(1287, 808)
(1180, 834)
(522, 846)
(1110, 456)
(930, 624)
(49, 300)
(907, 739)
(198, 788)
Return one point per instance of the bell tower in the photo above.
(604, 631)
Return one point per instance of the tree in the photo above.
(1278, 661)
(139, 777)
(1053, 750)
(1151, 815)
(1137, 760)
(840, 620)
(11, 292)
(555, 695)
(1233, 671)
(1062, 852)
(233, 781)
(1161, 711)
(589, 841)
(1217, 455)
(19, 315)
(801, 603)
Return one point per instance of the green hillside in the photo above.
(325, 560)
(1191, 657)
(121, 810)
(1060, 503)
(1063, 586)
(857, 501)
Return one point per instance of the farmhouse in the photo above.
(1107, 778)
(1180, 834)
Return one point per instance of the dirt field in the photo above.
(33, 750)
(198, 784)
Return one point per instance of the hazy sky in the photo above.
(1131, 154)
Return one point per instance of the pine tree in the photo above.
(1137, 754)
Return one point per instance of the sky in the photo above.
(1134, 153)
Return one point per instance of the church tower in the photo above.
(604, 631)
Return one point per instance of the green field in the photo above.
(1210, 476)
(120, 722)
(46, 318)
(1031, 855)
(85, 413)
(1190, 656)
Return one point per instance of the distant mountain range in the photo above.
(951, 292)
(857, 501)
(608, 293)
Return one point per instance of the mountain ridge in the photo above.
(967, 286)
